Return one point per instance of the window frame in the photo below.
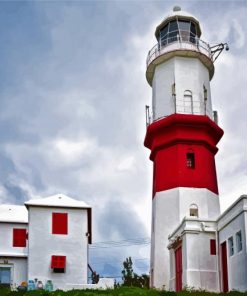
(171, 32)
(231, 246)
(190, 160)
(239, 241)
(194, 210)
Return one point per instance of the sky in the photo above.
(72, 110)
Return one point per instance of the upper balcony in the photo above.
(182, 44)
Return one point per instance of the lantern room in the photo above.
(178, 27)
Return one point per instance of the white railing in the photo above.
(198, 108)
(179, 43)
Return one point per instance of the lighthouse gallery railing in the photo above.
(178, 43)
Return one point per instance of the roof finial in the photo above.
(176, 8)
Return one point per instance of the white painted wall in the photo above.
(18, 268)
(6, 239)
(169, 209)
(43, 244)
(187, 74)
(237, 267)
(200, 268)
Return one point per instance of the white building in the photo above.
(192, 245)
(47, 239)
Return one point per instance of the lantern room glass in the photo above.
(178, 30)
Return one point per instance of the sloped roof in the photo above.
(58, 200)
(13, 213)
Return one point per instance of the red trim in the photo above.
(179, 268)
(213, 247)
(170, 140)
(58, 261)
(19, 237)
(59, 223)
(224, 267)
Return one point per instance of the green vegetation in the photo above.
(121, 291)
(130, 278)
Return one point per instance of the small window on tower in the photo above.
(190, 160)
(205, 93)
(193, 210)
(173, 89)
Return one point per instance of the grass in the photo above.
(122, 291)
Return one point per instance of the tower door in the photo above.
(224, 267)
(179, 268)
(5, 273)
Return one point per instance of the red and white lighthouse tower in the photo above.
(182, 134)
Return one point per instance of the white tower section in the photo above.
(179, 68)
(182, 138)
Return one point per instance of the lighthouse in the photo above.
(182, 134)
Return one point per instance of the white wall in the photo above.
(6, 239)
(43, 244)
(200, 268)
(169, 209)
(237, 267)
(187, 74)
(18, 268)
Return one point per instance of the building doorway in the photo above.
(224, 267)
(178, 268)
(5, 276)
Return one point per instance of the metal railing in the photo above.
(198, 108)
(179, 42)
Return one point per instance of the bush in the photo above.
(120, 291)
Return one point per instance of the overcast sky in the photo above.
(72, 101)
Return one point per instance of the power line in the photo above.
(121, 243)
(124, 240)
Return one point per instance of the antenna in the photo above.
(216, 50)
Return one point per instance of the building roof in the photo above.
(58, 200)
(13, 213)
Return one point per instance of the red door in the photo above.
(224, 267)
(179, 268)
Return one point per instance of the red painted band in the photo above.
(171, 139)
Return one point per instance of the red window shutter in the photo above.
(213, 247)
(58, 261)
(19, 237)
(59, 223)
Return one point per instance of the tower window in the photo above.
(173, 89)
(190, 160)
(193, 210)
(205, 93)
(188, 102)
